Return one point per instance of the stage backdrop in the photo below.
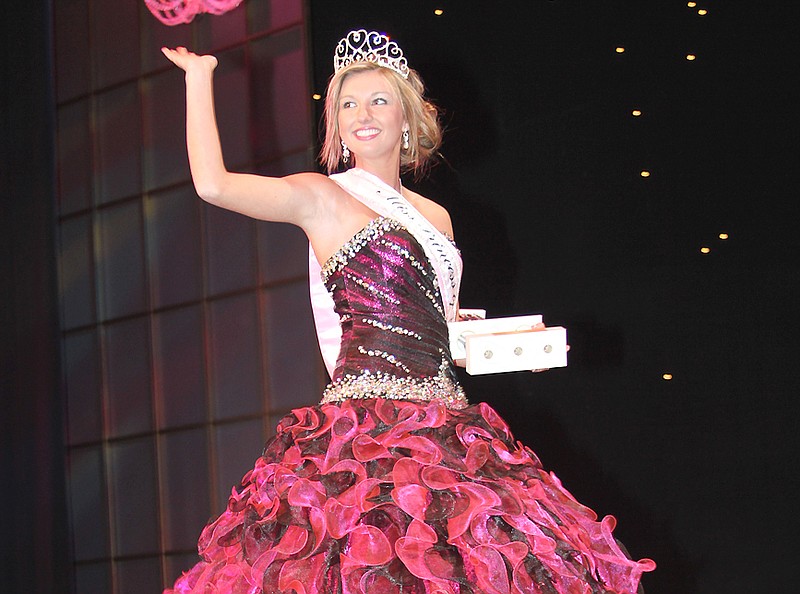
(186, 329)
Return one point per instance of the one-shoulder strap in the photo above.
(385, 201)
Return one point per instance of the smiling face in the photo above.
(370, 117)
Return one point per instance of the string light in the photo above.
(702, 12)
(691, 57)
(705, 250)
(316, 96)
(723, 236)
(438, 12)
(636, 113)
(620, 50)
(644, 173)
(691, 4)
(667, 376)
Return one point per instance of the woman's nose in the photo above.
(364, 113)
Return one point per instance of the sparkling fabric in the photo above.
(394, 337)
(393, 484)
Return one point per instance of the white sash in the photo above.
(384, 201)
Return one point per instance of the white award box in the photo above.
(499, 345)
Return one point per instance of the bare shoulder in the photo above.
(435, 213)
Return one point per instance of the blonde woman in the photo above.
(393, 483)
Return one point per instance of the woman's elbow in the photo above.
(209, 190)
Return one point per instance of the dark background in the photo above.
(541, 175)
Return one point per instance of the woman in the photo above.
(393, 483)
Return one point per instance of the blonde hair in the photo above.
(424, 131)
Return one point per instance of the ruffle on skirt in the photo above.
(386, 496)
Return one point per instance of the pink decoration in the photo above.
(176, 12)
(420, 495)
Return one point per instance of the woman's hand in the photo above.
(186, 60)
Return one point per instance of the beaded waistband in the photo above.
(384, 385)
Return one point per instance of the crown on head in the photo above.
(369, 46)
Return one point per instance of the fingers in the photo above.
(183, 58)
(174, 55)
(177, 50)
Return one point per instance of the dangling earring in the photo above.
(345, 153)
(405, 139)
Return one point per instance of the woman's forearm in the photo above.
(202, 136)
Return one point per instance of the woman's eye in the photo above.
(379, 101)
(348, 104)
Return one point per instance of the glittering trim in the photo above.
(375, 228)
(390, 328)
(400, 250)
(383, 355)
(385, 385)
(372, 289)
(433, 297)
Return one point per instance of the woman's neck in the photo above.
(387, 173)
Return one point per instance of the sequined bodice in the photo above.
(394, 333)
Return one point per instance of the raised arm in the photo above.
(293, 199)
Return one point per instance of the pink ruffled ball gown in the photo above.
(394, 484)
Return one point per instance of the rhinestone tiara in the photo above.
(369, 46)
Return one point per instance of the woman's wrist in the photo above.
(199, 73)
(201, 67)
